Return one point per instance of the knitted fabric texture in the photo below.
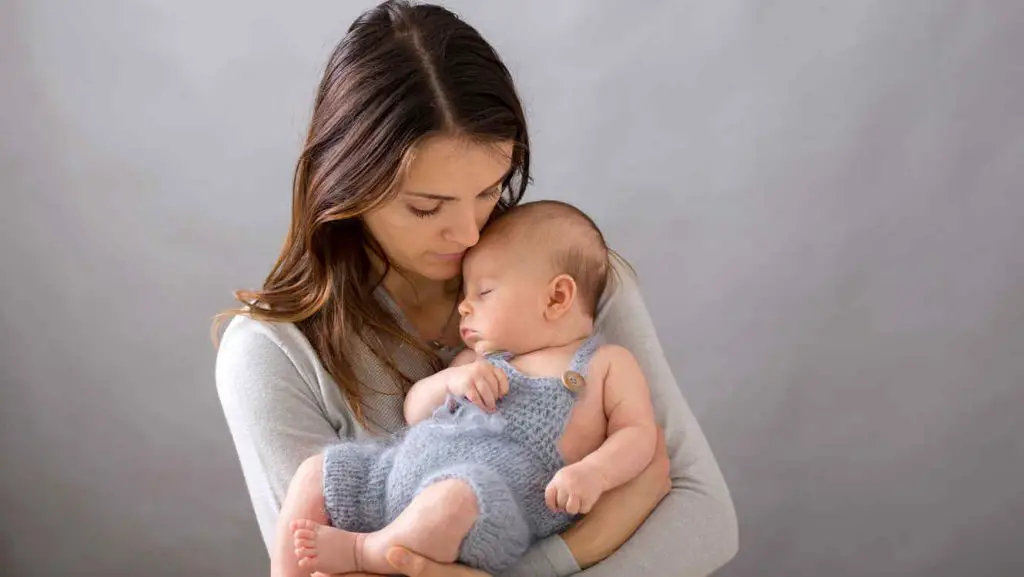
(507, 457)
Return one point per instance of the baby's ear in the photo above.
(561, 296)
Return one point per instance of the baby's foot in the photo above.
(326, 549)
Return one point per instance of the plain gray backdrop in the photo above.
(824, 201)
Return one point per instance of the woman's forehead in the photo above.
(457, 167)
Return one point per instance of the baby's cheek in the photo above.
(502, 324)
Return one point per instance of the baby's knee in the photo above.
(310, 474)
(457, 496)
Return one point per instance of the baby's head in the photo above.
(534, 279)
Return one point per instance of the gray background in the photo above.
(824, 201)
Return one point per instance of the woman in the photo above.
(417, 138)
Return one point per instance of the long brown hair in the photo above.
(401, 73)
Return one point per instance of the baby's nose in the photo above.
(464, 307)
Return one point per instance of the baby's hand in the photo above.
(480, 382)
(574, 489)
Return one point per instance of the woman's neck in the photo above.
(428, 305)
(411, 291)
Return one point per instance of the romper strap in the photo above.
(581, 359)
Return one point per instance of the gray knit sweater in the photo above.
(281, 407)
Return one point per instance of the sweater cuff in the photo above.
(548, 558)
(559, 555)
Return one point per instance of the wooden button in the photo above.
(573, 381)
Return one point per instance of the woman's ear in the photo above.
(561, 296)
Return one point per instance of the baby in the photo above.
(526, 429)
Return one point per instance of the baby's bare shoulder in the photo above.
(612, 354)
(611, 359)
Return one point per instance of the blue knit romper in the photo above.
(508, 457)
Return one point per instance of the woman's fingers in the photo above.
(410, 564)
(407, 562)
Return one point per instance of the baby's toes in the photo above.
(304, 534)
(304, 524)
(304, 542)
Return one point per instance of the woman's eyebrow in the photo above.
(432, 196)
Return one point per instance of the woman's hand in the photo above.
(411, 564)
(620, 512)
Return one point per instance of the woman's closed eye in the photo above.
(425, 212)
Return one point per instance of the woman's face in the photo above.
(449, 190)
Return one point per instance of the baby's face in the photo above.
(506, 296)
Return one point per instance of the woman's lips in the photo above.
(450, 256)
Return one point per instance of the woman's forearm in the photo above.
(689, 535)
(693, 531)
(620, 512)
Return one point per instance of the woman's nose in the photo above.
(464, 229)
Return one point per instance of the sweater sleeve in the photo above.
(693, 531)
(273, 412)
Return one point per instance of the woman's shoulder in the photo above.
(248, 336)
(249, 344)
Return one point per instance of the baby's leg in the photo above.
(304, 500)
(433, 525)
(465, 512)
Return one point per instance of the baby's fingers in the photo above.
(586, 505)
(572, 504)
(502, 382)
(563, 499)
(486, 392)
(551, 497)
(473, 395)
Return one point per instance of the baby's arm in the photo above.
(632, 429)
(427, 394)
(632, 434)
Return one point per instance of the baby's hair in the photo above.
(575, 242)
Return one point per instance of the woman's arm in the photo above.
(693, 531)
(620, 512)
(273, 413)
